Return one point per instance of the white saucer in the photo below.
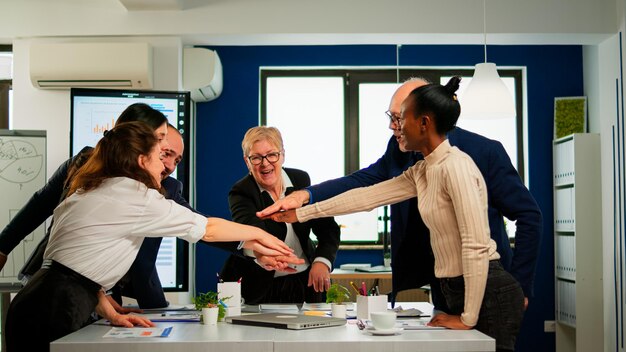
(385, 332)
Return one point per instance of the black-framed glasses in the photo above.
(270, 157)
(393, 118)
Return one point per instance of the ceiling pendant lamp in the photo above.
(486, 96)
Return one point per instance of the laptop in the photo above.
(286, 321)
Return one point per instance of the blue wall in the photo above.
(552, 71)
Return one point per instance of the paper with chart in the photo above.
(123, 333)
(22, 172)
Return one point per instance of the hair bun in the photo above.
(453, 85)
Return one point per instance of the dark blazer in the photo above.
(245, 199)
(410, 248)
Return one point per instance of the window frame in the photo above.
(353, 77)
(6, 85)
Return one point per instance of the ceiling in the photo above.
(305, 22)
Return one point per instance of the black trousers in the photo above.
(502, 309)
(293, 289)
(56, 302)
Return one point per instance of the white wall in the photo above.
(600, 91)
(602, 79)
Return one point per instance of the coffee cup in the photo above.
(383, 320)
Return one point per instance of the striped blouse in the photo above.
(452, 200)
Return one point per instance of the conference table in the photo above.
(193, 336)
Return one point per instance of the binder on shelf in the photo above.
(564, 209)
(566, 302)
(564, 163)
(566, 257)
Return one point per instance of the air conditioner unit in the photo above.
(202, 74)
(91, 65)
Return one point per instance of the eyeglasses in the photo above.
(393, 118)
(270, 157)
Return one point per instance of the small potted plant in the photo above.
(213, 309)
(387, 259)
(336, 295)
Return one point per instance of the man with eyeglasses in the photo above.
(412, 259)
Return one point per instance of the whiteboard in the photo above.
(22, 173)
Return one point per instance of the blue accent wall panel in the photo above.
(552, 71)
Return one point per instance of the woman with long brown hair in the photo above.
(113, 203)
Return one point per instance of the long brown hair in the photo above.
(117, 155)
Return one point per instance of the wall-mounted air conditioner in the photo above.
(202, 74)
(91, 65)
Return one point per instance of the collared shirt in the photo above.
(292, 239)
(98, 233)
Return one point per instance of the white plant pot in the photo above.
(338, 310)
(209, 316)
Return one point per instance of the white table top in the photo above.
(192, 337)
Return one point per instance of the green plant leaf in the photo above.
(337, 294)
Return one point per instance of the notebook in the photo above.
(375, 269)
(286, 321)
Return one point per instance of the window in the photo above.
(344, 109)
(6, 91)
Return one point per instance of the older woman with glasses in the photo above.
(267, 182)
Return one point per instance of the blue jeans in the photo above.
(502, 308)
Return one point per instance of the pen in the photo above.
(239, 281)
(363, 288)
(376, 292)
(223, 304)
(355, 288)
(218, 278)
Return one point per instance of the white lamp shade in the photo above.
(486, 96)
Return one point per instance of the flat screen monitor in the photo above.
(95, 110)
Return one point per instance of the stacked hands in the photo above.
(273, 254)
(283, 210)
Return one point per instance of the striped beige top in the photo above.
(452, 200)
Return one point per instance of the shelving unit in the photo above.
(578, 243)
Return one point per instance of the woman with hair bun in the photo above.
(452, 199)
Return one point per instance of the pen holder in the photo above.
(230, 290)
(368, 304)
